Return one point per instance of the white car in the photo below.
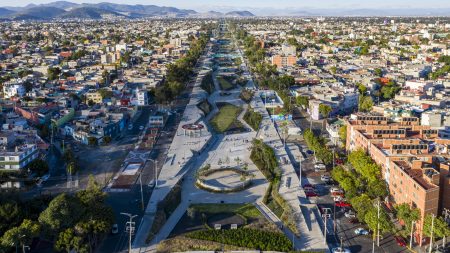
(338, 198)
(320, 167)
(350, 214)
(336, 190)
(340, 250)
(325, 178)
(361, 231)
(141, 128)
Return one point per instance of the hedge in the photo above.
(246, 237)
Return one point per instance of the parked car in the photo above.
(338, 198)
(320, 167)
(353, 221)
(336, 191)
(325, 178)
(361, 231)
(309, 186)
(130, 126)
(350, 214)
(114, 229)
(310, 194)
(141, 128)
(400, 241)
(338, 161)
(309, 152)
(342, 204)
(340, 250)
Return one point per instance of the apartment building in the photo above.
(95, 96)
(284, 61)
(17, 158)
(414, 161)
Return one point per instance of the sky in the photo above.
(202, 5)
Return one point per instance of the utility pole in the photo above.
(411, 238)
(130, 226)
(432, 228)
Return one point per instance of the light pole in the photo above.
(142, 193)
(300, 162)
(378, 224)
(130, 224)
(411, 238)
(155, 167)
(432, 228)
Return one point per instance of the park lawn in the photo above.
(224, 83)
(225, 118)
(246, 210)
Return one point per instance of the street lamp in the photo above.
(130, 224)
(155, 169)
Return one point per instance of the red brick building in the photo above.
(414, 161)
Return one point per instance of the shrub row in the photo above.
(245, 237)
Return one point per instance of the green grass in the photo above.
(246, 210)
(224, 83)
(225, 118)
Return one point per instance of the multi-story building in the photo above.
(288, 49)
(13, 89)
(18, 158)
(95, 96)
(284, 61)
(413, 160)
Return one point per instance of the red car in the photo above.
(338, 161)
(311, 194)
(342, 204)
(400, 241)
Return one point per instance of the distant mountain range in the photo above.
(69, 10)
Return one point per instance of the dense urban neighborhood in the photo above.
(123, 130)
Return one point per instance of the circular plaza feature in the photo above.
(193, 130)
(224, 180)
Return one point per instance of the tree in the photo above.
(10, 215)
(378, 72)
(343, 134)
(440, 227)
(377, 188)
(21, 235)
(62, 212)
(325, 110)
(105, 93)
(407, 214)
(68, 241)
(303, 101)
(362, 204)
(365, 103)
(92, 141)
(38, 166)
(374, 222)
(53, 73)
(362, 89)
(389, 91)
